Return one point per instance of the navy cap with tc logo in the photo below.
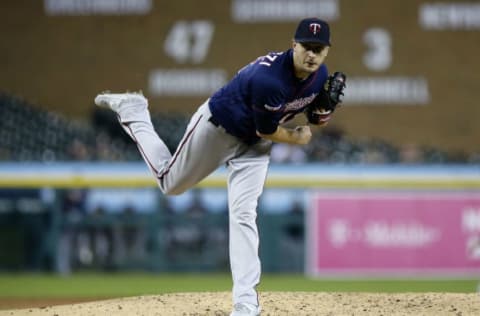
(313, 30)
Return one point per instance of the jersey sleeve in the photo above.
(323, 73)
(322, 97)
(322, 77)
(268, 100)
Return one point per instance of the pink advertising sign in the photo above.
(391, 233)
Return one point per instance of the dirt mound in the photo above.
(273, 304)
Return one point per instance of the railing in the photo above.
(37, 233)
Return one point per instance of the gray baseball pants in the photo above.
(203, 148)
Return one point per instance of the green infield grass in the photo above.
(131, 284)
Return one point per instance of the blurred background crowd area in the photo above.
(140, 229)
(31, 133)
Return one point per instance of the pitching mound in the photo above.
(273, 303)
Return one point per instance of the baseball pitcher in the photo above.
(236, 127)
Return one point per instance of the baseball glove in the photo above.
(319, 111)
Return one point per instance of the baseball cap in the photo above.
(313, 30)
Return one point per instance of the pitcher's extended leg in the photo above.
(202, 149)
(134, 117)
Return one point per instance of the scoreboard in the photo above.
(412, 66)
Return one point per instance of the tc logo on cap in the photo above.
(314, 28)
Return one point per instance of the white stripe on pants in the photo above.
(246, 178)
(203, 148)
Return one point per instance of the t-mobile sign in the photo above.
(391, 233)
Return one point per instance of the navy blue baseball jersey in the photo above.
(263, 95)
